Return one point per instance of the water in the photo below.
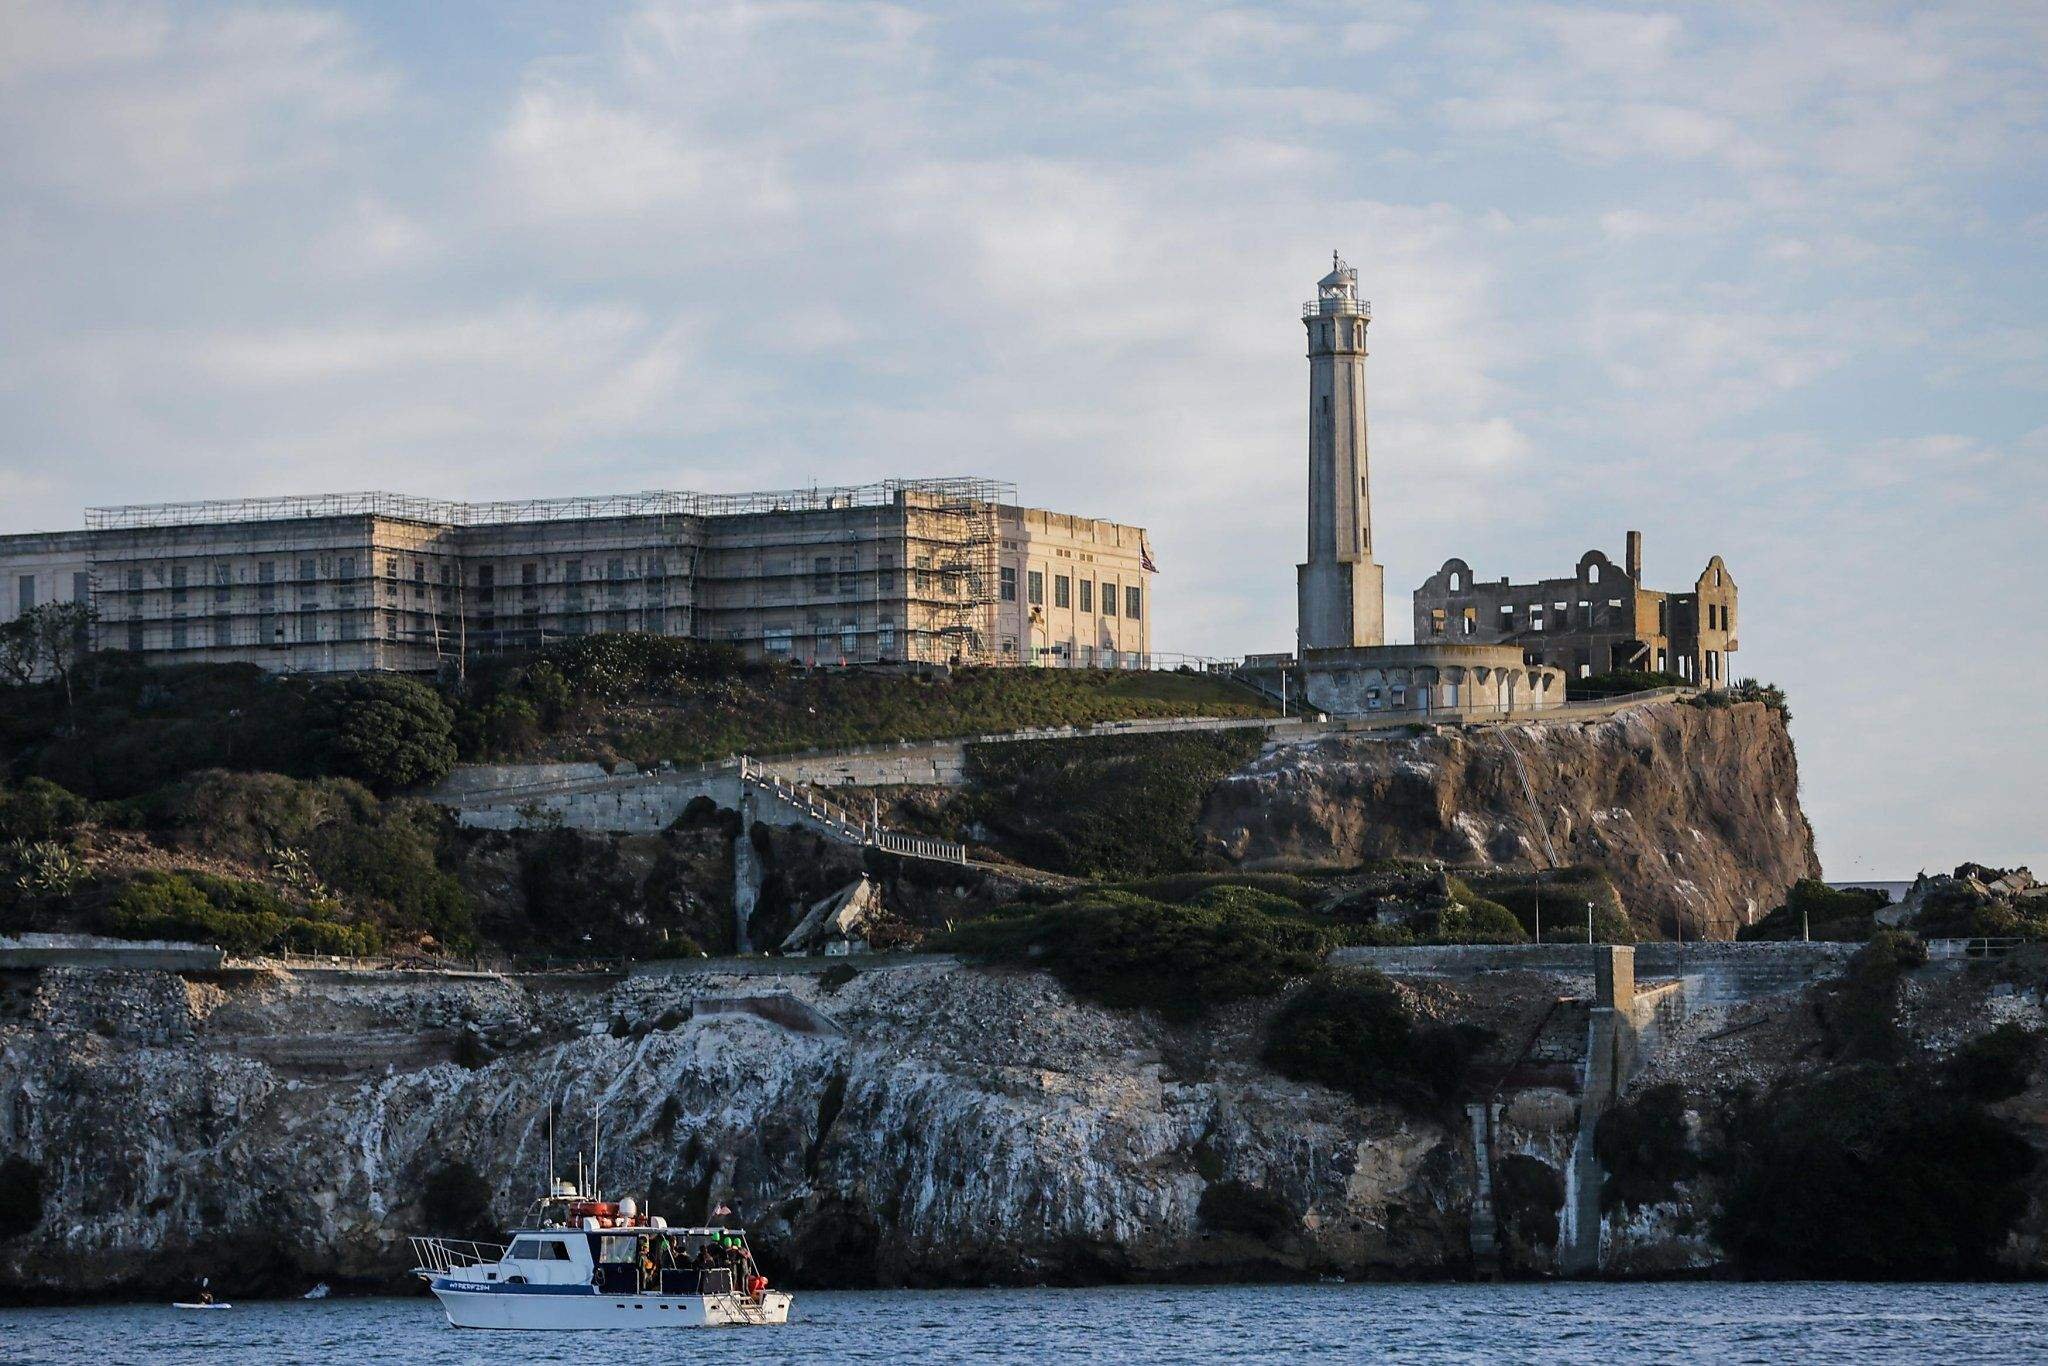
(1451, 1323)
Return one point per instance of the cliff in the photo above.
(925, 1124)
(1692, 810)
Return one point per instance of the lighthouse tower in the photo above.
(1341, 588)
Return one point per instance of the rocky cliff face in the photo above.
(1692, 810)
(925, 1124)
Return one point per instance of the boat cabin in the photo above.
(643, 1259)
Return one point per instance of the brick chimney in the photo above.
(1634, 557)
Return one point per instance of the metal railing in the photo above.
(1337, 308)
(453, 1254)
(804, 798)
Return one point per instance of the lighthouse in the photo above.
(1340, 588)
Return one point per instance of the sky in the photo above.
(1761, 280)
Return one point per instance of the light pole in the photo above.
(1589, 922)
(1538, 893)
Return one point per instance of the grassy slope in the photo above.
(785, 711)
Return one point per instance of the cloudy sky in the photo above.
(1757, 279)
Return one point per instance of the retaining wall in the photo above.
(89, 951)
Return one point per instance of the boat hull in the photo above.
(536, 1308)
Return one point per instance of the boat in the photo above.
(580, 1261)
(193, 1304)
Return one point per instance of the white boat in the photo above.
(183, 1304)
(584, 1262)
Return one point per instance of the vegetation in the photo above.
(241, 917)
(50, 640)
(1120, 807)
(38, 809)
(1351, 1030)
(1996, 1065)
(21, 1197)
(1616, 682)
(648, 698)
(389, 732)
(1859, 1011)
(1645, 1147)
(1560, 896)
(1815, 910)
(1867, 1171)
(1228, 944)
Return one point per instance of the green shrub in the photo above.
(1561, 896)
(21, 1197)
(1869, 1171)
(1123, 807)
(1858, 1010)
(1616, 682)
(38, 809)
(1997, 1064)
(1478, 921)
(388, 731)
(1350, 1030)
(1180, 888)
(1644, 1145)
(1127, 952)
(240, 917)
(1821, 912)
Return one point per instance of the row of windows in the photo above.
(1064, 588)
(25, 591)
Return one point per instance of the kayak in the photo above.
(182, 1305)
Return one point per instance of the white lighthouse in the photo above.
(1341, 588)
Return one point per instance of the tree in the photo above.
(390, 732)
(48, 640)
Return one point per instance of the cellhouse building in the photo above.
(948, 570)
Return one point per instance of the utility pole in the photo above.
(1589, 922)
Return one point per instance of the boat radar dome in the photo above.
(627, 1208)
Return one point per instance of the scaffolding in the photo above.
(442, 512)
(348, 581)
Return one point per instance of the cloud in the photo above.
(134, 105)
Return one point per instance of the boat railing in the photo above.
(452, 1254)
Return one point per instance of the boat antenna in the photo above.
(596, 1118)
(550, 1191)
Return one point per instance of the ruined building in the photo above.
(937, 570)
(1599, 619)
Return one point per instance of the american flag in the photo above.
(1145, 556)
(721, 1211)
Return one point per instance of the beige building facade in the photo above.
(934, 570)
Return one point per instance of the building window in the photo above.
(776, 641)
(223, 631)
(847, 565)
(1372, 699)
(572, 581)
(419, 579)
(1006, 583)
(1470, 623)
(391, 626)
(1087, 595)
(486, 582)
(1034, 587)
(222, 575)
(885, 642)
(885, 573)
(529, 582)
(180, 578)
(266, 581)
(25, 593)
(1062, 591)
(821, 574)
(1108, 598)
(135, 580)
(849, 637)
(309, 626)
(308, 571)
(135, 636)
(1134, 602)
(349, 629)
(1536, 618)
(1437, 617)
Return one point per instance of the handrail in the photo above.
(453, 1254)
